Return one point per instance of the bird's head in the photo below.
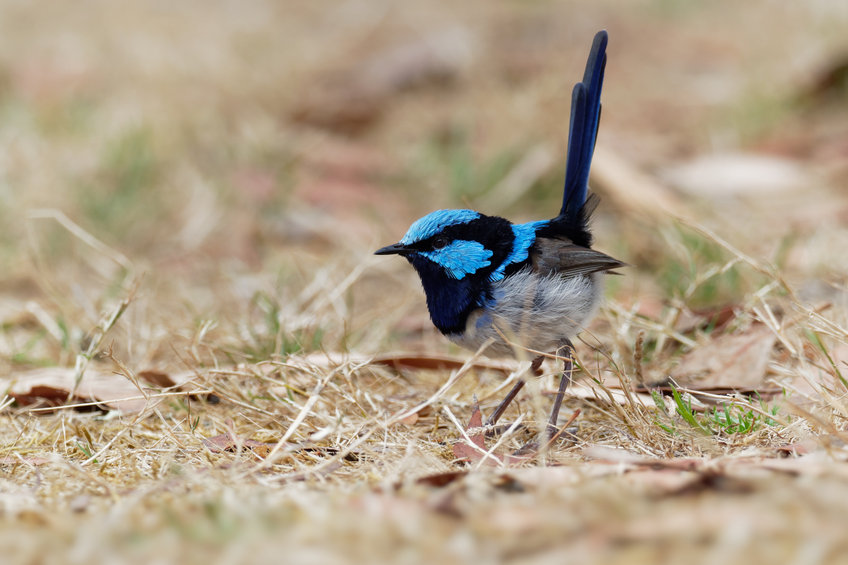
(455, 253)
(458, 254)
(455, 244)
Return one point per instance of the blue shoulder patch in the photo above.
(434, 222)
(460, 257)
(525, 235)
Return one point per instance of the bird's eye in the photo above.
(440, 242)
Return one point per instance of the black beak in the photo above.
(394, 249)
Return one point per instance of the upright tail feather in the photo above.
(583, 129)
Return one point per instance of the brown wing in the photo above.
(562, 256)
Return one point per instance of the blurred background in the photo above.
(236, 163)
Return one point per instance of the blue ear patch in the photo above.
(460, 257)
(525, 235)
(435, 222)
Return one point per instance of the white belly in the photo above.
(533, 311)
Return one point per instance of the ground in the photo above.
(202, 361)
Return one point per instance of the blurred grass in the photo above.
(700, 274)
(123, 192)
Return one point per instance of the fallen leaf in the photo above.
(27, 460)
(409, 420)
(796, 449)
(716, 318)
(441, 362)
(52, 385)
(728, 362)
(231, 442)
(403, 361)
(163, 379)
(471, 453)
(676, 477)
(477, 453)
(440, 480)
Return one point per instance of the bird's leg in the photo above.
(564, 381)
(496, 415)
(499, 411)
(551, 431)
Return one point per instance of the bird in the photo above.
(531, 286)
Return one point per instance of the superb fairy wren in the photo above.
(529, 286)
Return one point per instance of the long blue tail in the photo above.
(583, 130)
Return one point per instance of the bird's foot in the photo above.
(552, 435)
(498, 429)
(473, 448)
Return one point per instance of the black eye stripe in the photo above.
(494, 233)
(440, 241)
(466, 231)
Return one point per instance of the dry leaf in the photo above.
(52, 385)
(717, 318)
(231, 442)
(728, 362)
(440, 480)
(163, 379)
(478, 454)
(26, 460)
(403, 361)
(796, 449)
(409, 420)
(465, 452)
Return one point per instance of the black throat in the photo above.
(449, 300)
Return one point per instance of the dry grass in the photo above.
(194, 189)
